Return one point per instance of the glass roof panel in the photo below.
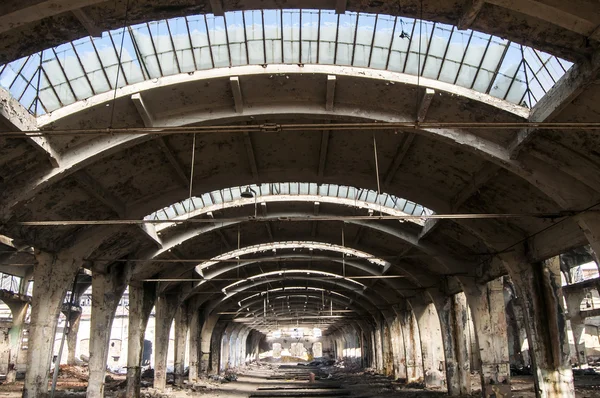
(388, 204)
(77, 70)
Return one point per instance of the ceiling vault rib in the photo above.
(323, 153)
(95, 189)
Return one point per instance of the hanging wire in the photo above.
(114, 100)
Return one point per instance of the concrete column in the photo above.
(216, 353)
(141, 302)
(574, 299)
(108, 286)
(166, 306)
(388, 352)
(208, 325)
(538, 286)
(18, 309)
(589, 222)
(489, 319)
(412, 346)
(181, 331)
(452, 311)
(432, 348)
(399, 354)
(379, 348)
(72, 336)
(53, 275)
(194, 346)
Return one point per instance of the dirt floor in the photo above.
(285, 380)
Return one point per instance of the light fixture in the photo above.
(248, 193)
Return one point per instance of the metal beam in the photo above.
(237, 94)
(562, 94)
(175, 165)
(93, 187)
(400, 155)
(331, 80)
(425, 104)
(470, 13)
(38, 10)
(89, 25)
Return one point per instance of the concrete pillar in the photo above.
(208, 325)
(194, 317)
(399, 354)
(53, 275)
(166, 306)
(75, 318)
(388, 352)
(589, 222)
(432, 348)
(452, 311)
(141, 302)
(108, 286)
(574, 299)
(489, 320)
(538, 286)
(379, 348)
(18, 309)
(181, 331)
(216, 353)
(412, 347)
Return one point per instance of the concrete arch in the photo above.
(545, 178)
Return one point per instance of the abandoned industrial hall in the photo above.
(300, 198)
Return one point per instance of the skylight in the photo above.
(80, 69)
(369, 199)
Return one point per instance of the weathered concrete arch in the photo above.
(540, 175)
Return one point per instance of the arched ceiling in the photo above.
(151, 159)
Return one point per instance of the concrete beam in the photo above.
(251, 157)
(587, 284)
(93, 188)
(560, 13)
(478, 180)
(400, 155)
(425, 104)
(340, 6)
(236, 90)
(89, 25)
(331, 80)
(41, 9)
(470, 13)
(323, 153)
(175, 165)
(17, 118)
(564, 92)
(145, 114)
(217, 7)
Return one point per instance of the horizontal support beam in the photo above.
(479, 216)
